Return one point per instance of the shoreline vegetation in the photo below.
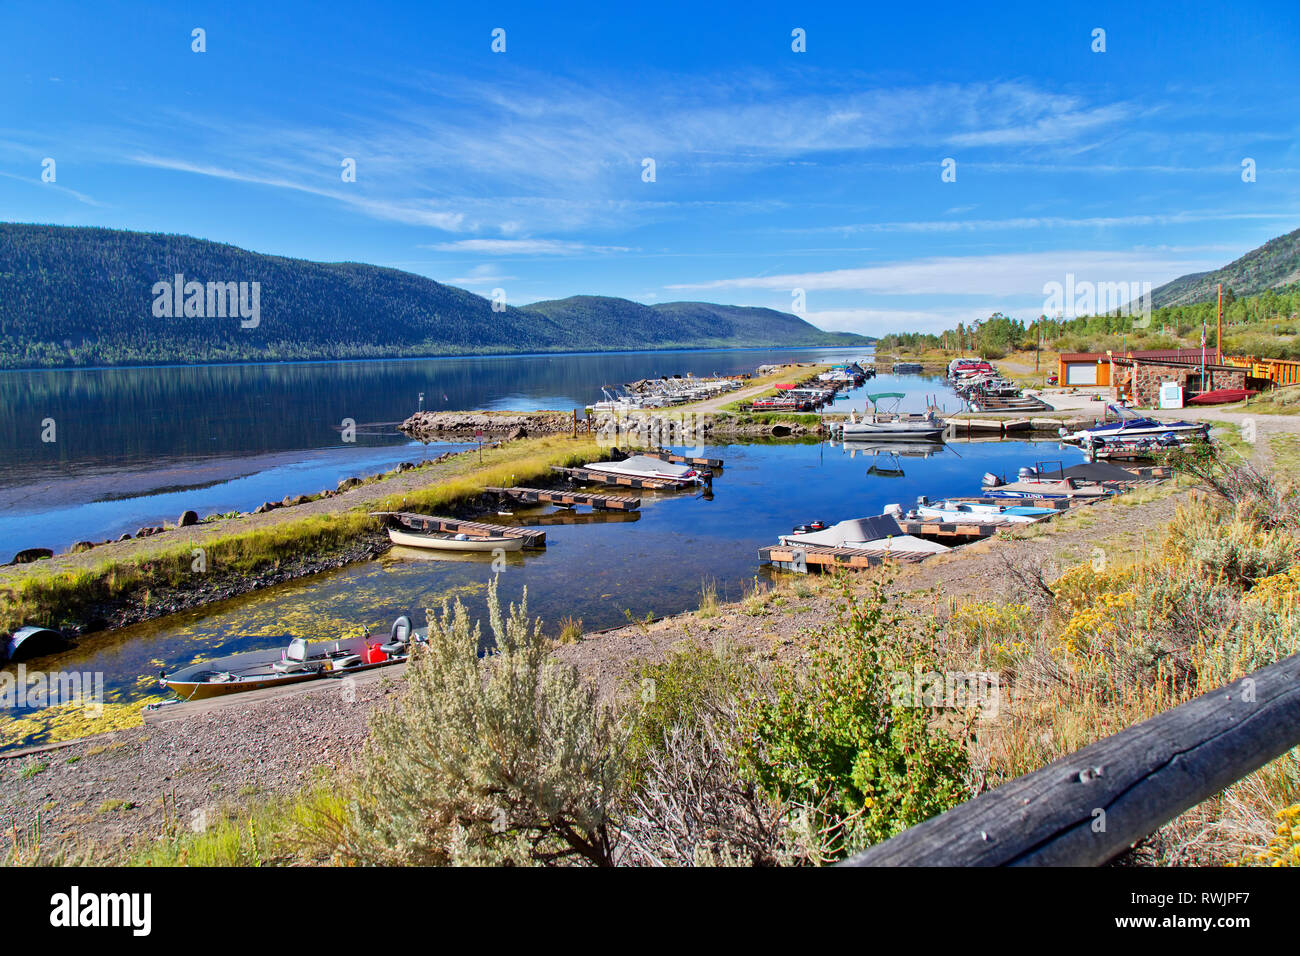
(689, 741)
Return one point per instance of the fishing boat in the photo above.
(302, 660)
(1047, 488)
(644, 466)
(891, 424)
(1131, 426)
(876, 533)
(951, 511)
(447, 541)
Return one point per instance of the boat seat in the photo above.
(398, 637)
(347, 660)
(295, 658)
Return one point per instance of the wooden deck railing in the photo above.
(1089, 807)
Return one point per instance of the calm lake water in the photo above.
(601, 572)
(138, 446)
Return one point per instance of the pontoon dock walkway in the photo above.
(624, 481)
(568, 498)
(799, 558)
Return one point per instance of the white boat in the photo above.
(1132, 426)
(957, 511)
(891, 424)
(876, 533)
(644, 466)
(446, 541)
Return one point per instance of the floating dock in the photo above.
(568, 499)
(533, 538)
(802, 557)
(677, 459)
(982, 528)
(624, 481)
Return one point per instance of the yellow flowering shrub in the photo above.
(985, 622)
(1094, 627)
(1284, 848)
(1082, 585)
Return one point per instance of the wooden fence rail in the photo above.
(1089, 807)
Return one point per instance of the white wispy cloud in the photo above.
(534, 152)
(995, 276)
(63, 190)
(1050, 222)
(524, 247)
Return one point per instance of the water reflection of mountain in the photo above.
(145, 414)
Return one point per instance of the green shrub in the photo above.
(832, 740)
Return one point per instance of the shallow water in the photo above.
(601, 571)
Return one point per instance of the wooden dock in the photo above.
(983, 528)
(533, 538)
(568, 499)
(664, 455)
(623, 481)
(810, 556)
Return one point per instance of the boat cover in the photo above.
(645, 465)
(851, 533)
(1099, 471)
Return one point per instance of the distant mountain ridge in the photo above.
(75, 296)
(1273, 265)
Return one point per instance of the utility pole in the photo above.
(1218, 350)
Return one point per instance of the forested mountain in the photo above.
(85, 296)
(1273, 265)
(625, 323)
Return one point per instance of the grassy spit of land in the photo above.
(752, 730)
(185, 566)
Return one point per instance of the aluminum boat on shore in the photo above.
(301, 661)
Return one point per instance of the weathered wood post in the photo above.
(1091, 806)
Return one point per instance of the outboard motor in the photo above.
(922, 500)
(1027, 472)
(893, 510)
(1063, 432)
(990, 480)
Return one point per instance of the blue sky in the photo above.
(774, 170)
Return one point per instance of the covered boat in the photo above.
(876, 533)
(644, 466)
(303, 660)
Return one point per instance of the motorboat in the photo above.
(876, 533)
(891, 424)
(644, 466)
(447, 541)
(1133, 426)
(302, 660)
(953, 511)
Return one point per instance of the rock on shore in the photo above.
(429, 425)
